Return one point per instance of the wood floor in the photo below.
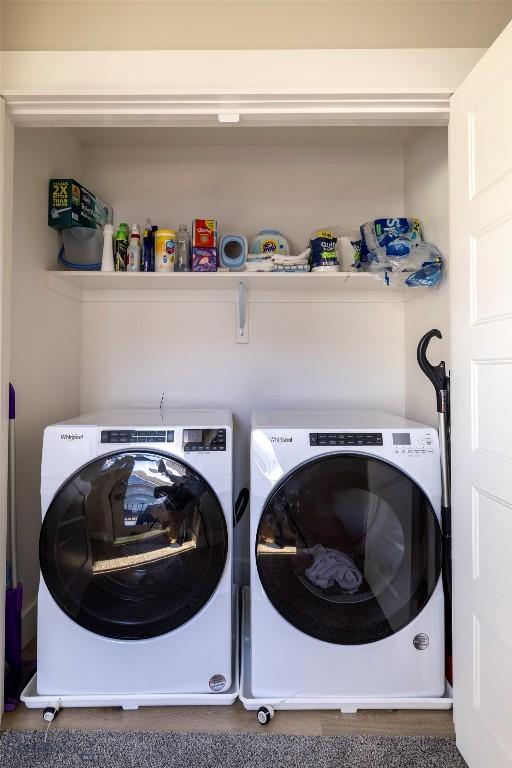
(237, 719)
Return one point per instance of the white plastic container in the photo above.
(107, 259)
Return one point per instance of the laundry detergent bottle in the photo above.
(270, 242)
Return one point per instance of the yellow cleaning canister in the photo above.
(165, 250)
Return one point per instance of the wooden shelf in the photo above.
(96, 286)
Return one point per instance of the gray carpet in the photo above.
(121, 749)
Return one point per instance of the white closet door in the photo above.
(481, 333)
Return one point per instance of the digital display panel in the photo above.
(193, 435)
(401, 438)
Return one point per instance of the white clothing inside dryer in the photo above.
(332, 567)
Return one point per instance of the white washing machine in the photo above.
(346, 588)
(135, 550)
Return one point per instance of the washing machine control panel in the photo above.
(204, 440)
(412, 443)
(137, 436)
(345, 438)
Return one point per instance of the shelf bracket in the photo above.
(242, 325)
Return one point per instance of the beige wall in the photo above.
(426, 191)
(233, 24)
(45, 335)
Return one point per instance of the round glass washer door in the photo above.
(348, 549)
(133, 545)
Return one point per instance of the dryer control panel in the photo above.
(345, 438)
(137, 436)
(412, 443)
(204, 440)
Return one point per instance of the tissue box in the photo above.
(204, 233)
(204, 259)
(72, 205)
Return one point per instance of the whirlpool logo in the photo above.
(280, 439)
(72, 437)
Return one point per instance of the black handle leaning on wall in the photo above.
(441, 381)
(436, 373)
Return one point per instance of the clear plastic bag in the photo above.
(394, 250)
(421, 266)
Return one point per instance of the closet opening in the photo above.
(84, 342)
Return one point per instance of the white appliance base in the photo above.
(345, 705)
(33, 700)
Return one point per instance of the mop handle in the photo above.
(440, 380)
(12, 489)
(445, 466)
(436, 373)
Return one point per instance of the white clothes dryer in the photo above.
(346, 588)
(135, 551)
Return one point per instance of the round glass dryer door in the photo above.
(348, 549)
(133, 545)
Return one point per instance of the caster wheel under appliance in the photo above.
(265, 715)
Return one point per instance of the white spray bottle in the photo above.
(107, 259)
